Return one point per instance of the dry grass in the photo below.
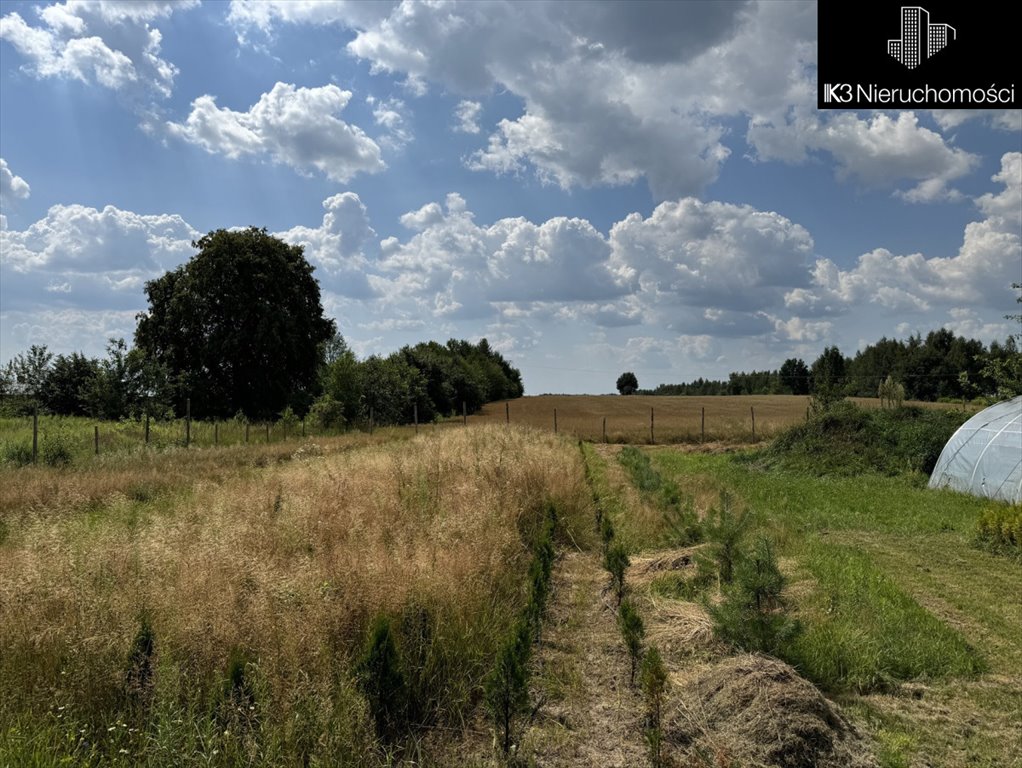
(675, 419)
(289, 563)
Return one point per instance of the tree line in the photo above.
(941, 366)
(239, 330)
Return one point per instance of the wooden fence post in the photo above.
(188, 421)
(35, 434)
(555, 421)
(147, 428)
(246, 433)
(507, 412)
(464, 413)
(267, 432)
(604, 429)
(651, 440)
(95, 438)
(702, 426)
(752, 410)
(370, 420)
(216, 433)
(415, 416)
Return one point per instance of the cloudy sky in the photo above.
(593, 188)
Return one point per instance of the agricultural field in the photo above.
(675, 419)
(503, 595)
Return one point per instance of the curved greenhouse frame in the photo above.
(984, 457)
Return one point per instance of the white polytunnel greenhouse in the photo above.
(984, 457)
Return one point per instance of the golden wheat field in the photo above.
(617, 419)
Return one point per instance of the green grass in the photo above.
(890, 589)
(864, 633)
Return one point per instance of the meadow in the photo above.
(227, 604)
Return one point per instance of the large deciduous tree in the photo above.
(627, 383)
(239, 327)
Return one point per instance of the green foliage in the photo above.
(891, 393)
(327, 413)
(725, 529)
(238, 688)
(794, 375)
(828, 379)
(55, 448)
(632, 632)
(627, 383)
(506, 690)
(999, 530)
(847, 440)
(17, 453)
(654, 683)
(752, 614)
(256, 347)
(616, 562)
(382, 680)
(864, 633)
(139, 680)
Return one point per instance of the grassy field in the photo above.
(220, 605)
(675, 419)
(915, 630)
(210, 607)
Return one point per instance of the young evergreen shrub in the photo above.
(140, 677)
(724, 529)
(632, 631)
(506, 688)
(616, 562)
(606, 532)
(382, 680)
(681, 524)
(653, 681)
(752, 615)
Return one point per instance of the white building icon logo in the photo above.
(919, 38)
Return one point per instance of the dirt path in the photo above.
(590, 715)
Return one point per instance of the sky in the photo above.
(593, 187)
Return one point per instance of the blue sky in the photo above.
(593, 187)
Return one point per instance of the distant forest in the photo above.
(430, 380)
(942, 366)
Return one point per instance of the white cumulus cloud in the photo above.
(293, 126)
(12, 187)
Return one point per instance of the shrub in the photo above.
(616, 562)
(327, 413)
(382, 680)
(139, 679)
(506, 687)
(55, 450)
(999, 530)
(725, 528)
(653, 681)
(632, 631)
(752, 615)
(18, 454)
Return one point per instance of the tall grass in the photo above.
(285, 567)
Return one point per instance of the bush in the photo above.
(327, 413)
(654, 682)
(752, 615)
(55, 450)
(999, 530)
(18, 454)
(725, 530)
(616, 562)
(632, 631)
(506, 687)
(382, 680)
(848, 440)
